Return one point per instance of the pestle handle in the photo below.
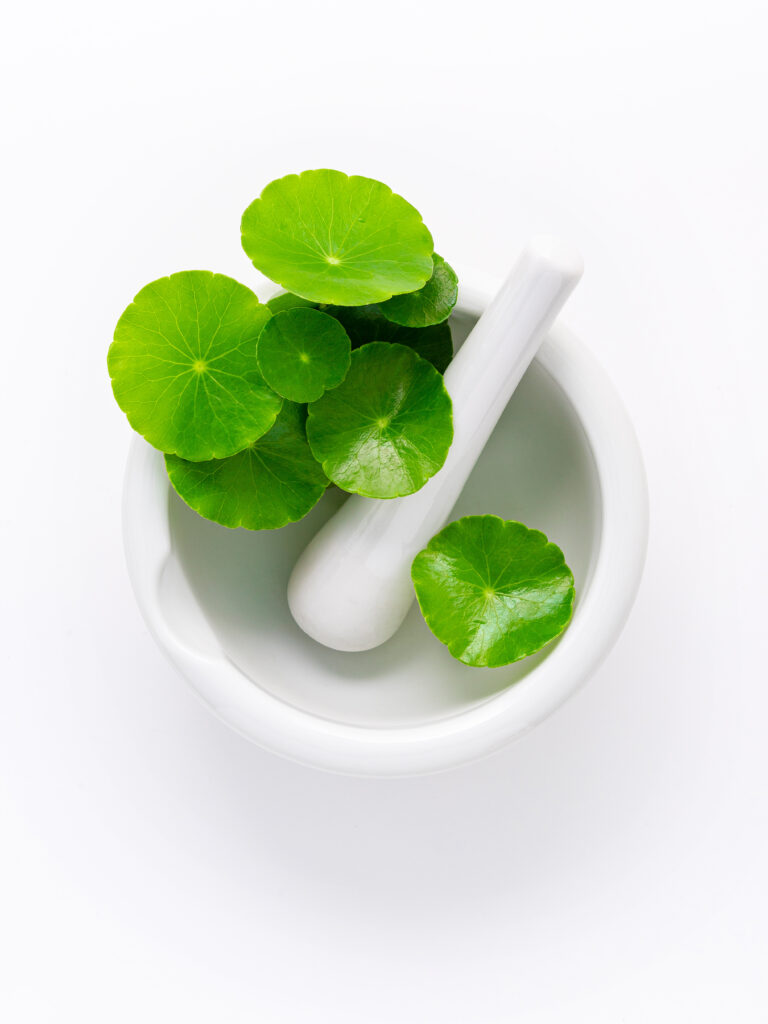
(351, 587)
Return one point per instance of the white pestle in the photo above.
(351, 587)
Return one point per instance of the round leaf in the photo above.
(274, 481)
(303, 353)
(387, 428)
(431, 304)
(365, 324)
(183, 366)
(492, 591)
(333, 238)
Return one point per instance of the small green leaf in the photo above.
(431, 304)
(333, 238)
(274, 481)
(492, 591)
(183, 366)
(287, 300)
(303, 353)
(365, 324)
(387, 428)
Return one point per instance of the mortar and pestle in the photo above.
(349, 678)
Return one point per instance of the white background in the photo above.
(611, 866)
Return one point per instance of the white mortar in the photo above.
(563, 459)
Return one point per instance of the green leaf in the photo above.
(303, 353)
(274, 481)
(183, 366)
(492, 591)
(287, 300)
(365, 324)
(387, 428)
(431, 304)
(333, 238)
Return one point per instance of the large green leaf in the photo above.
(387, 428)
(303, 353)
(183, 365)
(431, 304)
(333, 238)
(274, 481)
(364, 324)
(492, 591)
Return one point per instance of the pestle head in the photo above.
(342, 603)
(351, 587)
(557, 255)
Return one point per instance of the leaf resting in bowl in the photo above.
(431, 304)
(302, 353)
(492, 591)
(273, 482)
(387, 428)
(334, 238)
(183, 366)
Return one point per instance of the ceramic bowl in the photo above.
(563, 459)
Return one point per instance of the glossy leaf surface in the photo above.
(183, 366)
(431, 304)
(276, 480)
(333, 238)
(387, 428)
(302, 353)
(493, 591)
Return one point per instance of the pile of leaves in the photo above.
(258, 407)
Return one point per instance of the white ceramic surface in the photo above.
(351, 588)
(563, 459)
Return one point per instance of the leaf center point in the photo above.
(199, 366)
